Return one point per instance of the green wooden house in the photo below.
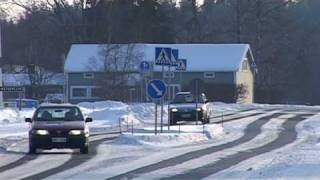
(225, 72)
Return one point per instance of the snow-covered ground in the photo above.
(298, 160)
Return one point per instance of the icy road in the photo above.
(247, 142)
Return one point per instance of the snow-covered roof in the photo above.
(200, 57)
(23, 79)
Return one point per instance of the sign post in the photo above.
(181, 66)
(145, 69)
(174, 59)
(156, 90)
(163, 57)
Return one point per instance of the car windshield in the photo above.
(183, 98)
(58, 114)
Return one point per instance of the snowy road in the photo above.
(246, 134)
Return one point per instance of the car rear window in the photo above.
(58, 114)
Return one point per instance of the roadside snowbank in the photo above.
(173, 137)
(12, 115)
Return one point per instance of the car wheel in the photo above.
(32, 149)
(84, 149)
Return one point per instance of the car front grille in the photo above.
(59, 133)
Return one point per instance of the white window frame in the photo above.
(76, 97)
(88, 75)
(205, 75)
(88, 90)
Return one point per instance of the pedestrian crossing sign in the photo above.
(181, 65)
(163, 56)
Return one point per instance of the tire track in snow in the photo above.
(27, 158)
(286, 136)
(251, 131)
(75, 160)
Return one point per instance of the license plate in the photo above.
(186, 115)
(59, 140)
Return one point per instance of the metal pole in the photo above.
(127, 123)
(132, 127)
(141, 91)
(156, 118)
(169, 99)
(20, 101)
(161, 128)
(120, 126)
(161, 101)
(197, 116)
(180, 80)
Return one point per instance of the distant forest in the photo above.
(284, 35)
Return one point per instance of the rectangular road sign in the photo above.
(163, 56)
(12, 89)
(181, 65)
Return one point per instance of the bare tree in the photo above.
(117, 64)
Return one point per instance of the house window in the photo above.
(79, 92)
(245, 65)
(168, 75)
(209, 75)
(88, 75)
(85, 92)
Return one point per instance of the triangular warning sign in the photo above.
(181, 65)
(163, 58)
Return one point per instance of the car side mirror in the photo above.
(29, 120)
(88, 119)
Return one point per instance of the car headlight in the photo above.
(199, 109)
(174, 110)
(42, 132)
(75, 132)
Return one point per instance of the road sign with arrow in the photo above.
(156, 89)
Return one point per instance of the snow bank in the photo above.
(109, 112)
(173, 137)
(12, 115)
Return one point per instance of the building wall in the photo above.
(187, 77)
(246, 78)
(77, 80)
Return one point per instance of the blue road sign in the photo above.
(181, 65)
(145, 66)
(156, 89)
(163, 56)
(174, 57)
